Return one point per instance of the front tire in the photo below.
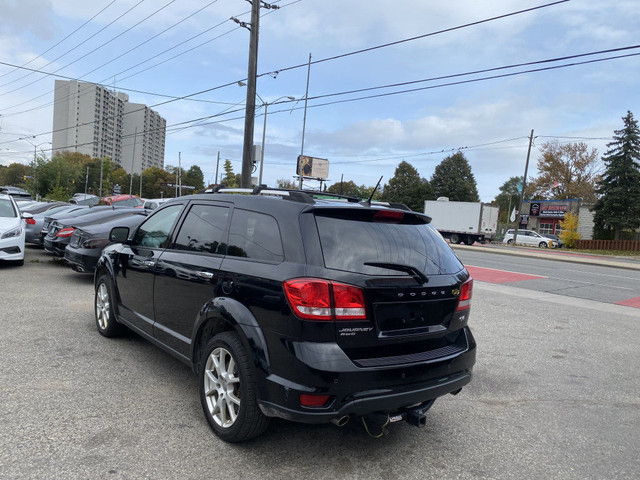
(510, 241)
(228, 391)
(105, 315)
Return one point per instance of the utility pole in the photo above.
(304, 119)
(135, 137)
(524, 184)
(217, 166)
(180, 173)
(101, 162)
(250, 111)
(86, 182)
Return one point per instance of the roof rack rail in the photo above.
(304, 196)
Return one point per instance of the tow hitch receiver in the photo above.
(416, 416)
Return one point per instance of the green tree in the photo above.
(15, 175)
(61, 173)
(453, 178)
(618, 207)
(566, 171)
(194, 177)
(406, 186)
(229, 179)
(508, 198)
(345, 188)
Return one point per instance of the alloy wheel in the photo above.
(103, 305)
(222, 387)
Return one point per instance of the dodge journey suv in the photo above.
(287, 304)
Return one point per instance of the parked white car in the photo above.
(12, 230)
(529, 237)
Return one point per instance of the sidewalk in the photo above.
(561, 255)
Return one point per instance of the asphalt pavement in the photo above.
(631, 262)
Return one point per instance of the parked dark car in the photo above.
(558, 243)
(294, 307)
(86, 244)
(68, 211)
(61, 230)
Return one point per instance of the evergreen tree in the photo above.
(618, 208)
(453, 178)
(229, 179)
(406, 186)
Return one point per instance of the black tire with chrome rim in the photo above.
(106, 321)
(227, 390)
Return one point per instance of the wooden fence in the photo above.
(620, 245)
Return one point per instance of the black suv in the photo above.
(290, 306)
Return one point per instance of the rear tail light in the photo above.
(464, 300)
(30, 221)
(65, 232)
(317, 299)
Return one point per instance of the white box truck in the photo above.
(463, 222)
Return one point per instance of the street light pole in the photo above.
(264, 131)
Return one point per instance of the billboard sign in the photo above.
(313, 167)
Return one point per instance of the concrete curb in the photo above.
(571, 258)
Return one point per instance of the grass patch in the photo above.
(613, 253)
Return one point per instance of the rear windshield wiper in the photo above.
(400, 268)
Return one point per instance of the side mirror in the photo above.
(119, 234)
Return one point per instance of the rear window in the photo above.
(350, 243)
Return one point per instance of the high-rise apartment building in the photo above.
(99, 122)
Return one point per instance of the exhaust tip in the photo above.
(340, 422)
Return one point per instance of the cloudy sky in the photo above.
(374, 98)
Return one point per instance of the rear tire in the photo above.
(468, 240)
(106, 322)
(543, 245)
(228, 390)
(455, 238)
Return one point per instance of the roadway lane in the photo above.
(593, 282)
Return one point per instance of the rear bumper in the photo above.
(79, 261)
(356, 391)
(54, 247)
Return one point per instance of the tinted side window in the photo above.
(154, 233)
(255, 235)
(204, 230)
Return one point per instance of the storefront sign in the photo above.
(552, 210)
(534, 209)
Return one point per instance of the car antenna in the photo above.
(374, 191)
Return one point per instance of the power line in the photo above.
(398, 42)
(139, 64)
(79, 44)
(377, 95)
(474, 80)
(98, 47)
(59, 42)
(475, 72)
